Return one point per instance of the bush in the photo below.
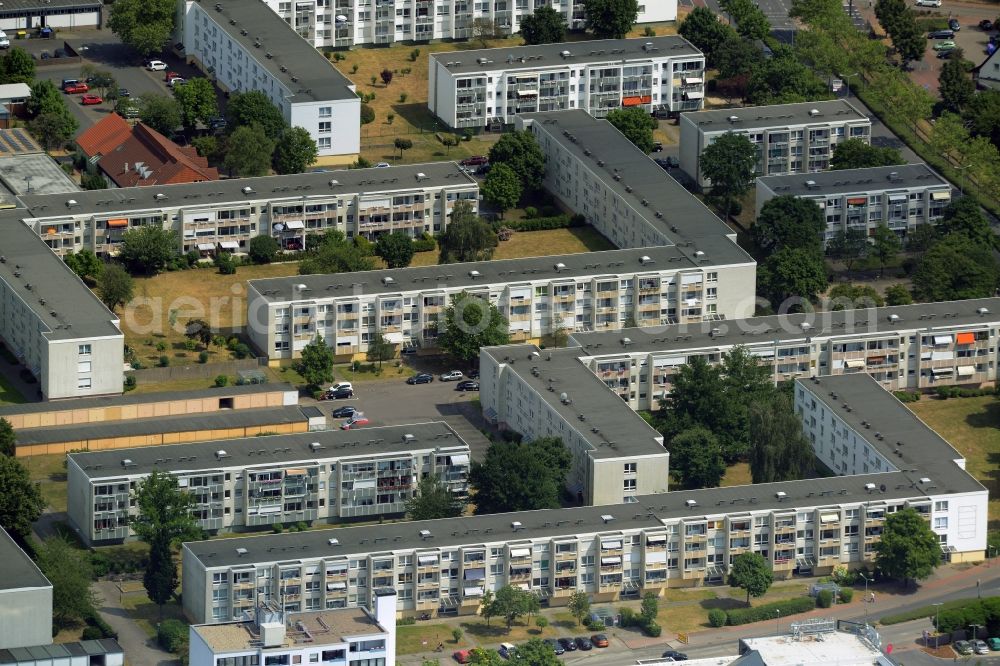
(530, 212)
(717, 617)
(129, 382)
(171, 634)
(190, 344)
(242, 350)
(406, 621)
(91, 634)
(541, 621)
(277, 528)
(164, 361)
(302, 526)
(221, 380)
(161, 346)
(203, 357)
(628, 617)
(846, 595)
(425, 243)
(95, 620)
(763, 612)
(907, 396)
(824, 599)
(545, 223)
(652, 629)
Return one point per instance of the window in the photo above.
(325, 127)
(83, 366)
(631, 468)
(83, 383)
(325, 111)
(941, 506)
(941, 523)
(324, 143)
(83, 350)
(629, 485)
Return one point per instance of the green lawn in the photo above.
(49, 472)
(8, 394)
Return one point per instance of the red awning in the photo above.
(120, 222)
(631, 101)
(966, 338)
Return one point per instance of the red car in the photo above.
(355, 423)
(170, 76)
(75, 88)
(462, 656)
(88, 100)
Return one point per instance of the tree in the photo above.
(92, 180)
(955, 85)
(610, 19)
(401, 145)
(696, 457)
(729, 163)
(778, 449)
(482, 29)
(909, 550)
(21, 500)
(853, 296)
(848, 246)
(395, 249)
(909, 40)
(334, 253)
(535, 652)
(17, 67)
(520, 151)
(467, 236)
(898, 294)
(703, 29)
(380, 349)
(7, 438)
(502, 188)
(200, 330)
(856, 154)
(579, 606)
(889, 13)
(791, 273)
(262, 249)
(69, 570)
(433, 500)
(316, 363)
(751, 22)
(254, 107)
(84, 263)
(386, 76)
(783, 78)
(520, 476)
(471, 322)
(751, 572)
(144, 25)
(956, 268)
(637, 126)
(511, 602)
(367, 114)
(197, 102)
(115, 286)
(650, 608)
(53, 129)
(965, 217)
(789, 222)
(482, 656)
(885, 246)
(147, 249)
(736, 56)
(102, 81)
(545, 26)
(982, 113)
(45, 97)
(160, 577)
(922, 238)
(295, 152)
(160, 112)
(249, 151)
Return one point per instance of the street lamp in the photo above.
(777, 622)
(847, 78)
(974, 628)
(867, 580)
(937, 615)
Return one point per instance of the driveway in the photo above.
(140, 650)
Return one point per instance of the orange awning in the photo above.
(646, 99)
(631, 101)
(117, 223)
(966, 338)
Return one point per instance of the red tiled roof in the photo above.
(142, 156)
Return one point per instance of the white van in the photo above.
(4, 41)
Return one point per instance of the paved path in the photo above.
(140, 650)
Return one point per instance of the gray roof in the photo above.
(598, 146)
(611, 262)
(61, 651)
(236, 418)
(622, 432)
(65, 306)
(44, 7)
(777, 115)
(782, 328)
(849, 181)
(294, 186)
(318, 80)
(548, 56)
(19, 570)
(278, 449)
(142, 398)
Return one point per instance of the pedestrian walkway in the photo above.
(140, 649)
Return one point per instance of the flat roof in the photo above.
(35, 173)
(48, 653)
(777, 329)
(549, 56)
(776, 115)
(44, 7)
(235, 418)
(599, 147)
(841, 647)
(402, 178)
(143, 398)
(19, 570)
(325, 627)
(847, 181)
(498, 271)
(66, 308)
(270, 450)
(291, 56)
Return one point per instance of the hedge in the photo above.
(824, 599)
(545, 223)
(425, 243)
(95, 620)
(171, 634)
(945, 392)
(770, 611)
(929, 611)
(717, 617)
(907, 396)
(846, 595)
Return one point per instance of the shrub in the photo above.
(203, 357)
(164, 361)
(242, 350)
(846, 595)
(171, 634)
(129, 382)
(425, 243)
(414, 54)
(402, 98)
(99, 564)
(907, 396)
(628, 617)
(406, 621)
(544, 223)
(456, 634)
(190, 344)
(541, 621)
(95, 620)
(221, 380)
(652, 629)
(767, 611)
(717, 617)
(92, 634)
(530, 212)
(302, 526)
(277, 528)
(824, 599)
(161, 346)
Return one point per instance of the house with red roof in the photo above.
(135, 156)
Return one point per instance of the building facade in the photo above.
(901, 197)
(346, 23)
(26, 596)
(790, 138)
(248, 483)
(490, 87)
(245, 46)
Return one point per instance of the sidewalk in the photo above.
(140, 650)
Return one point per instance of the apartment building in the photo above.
(490, 87)
(900, 197)
(345, 23)
(55, 326)
(254, 482)
(790, 138)
(224, 215)
(25, 599)
(343, 637)
(244, 46)
(536, 295)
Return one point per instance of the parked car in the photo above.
(675, 655)
(662, 163)
(963, 647)
(944, 55)
(44, 55)
(954, 24)
(584, 643)
(340, 394)
(344, 412)
(124, 92)
(928, 3)
(941, 46)
(994, 643)
(940, 34)
(76, 88)
(340, 385)
(217, 124)
(467, 385)
(986, 24)
(155, 65)
(461, 656)
(452, 376)
(600, 640)
(568, 644)
(555, 645)
(475, 160)
(408, 351)
(68, 82)
(382, 165)
(90, 100)
(657, 147)
(356, 422)
(422, 378)
(507, 650)
(980, 647)
(473, 374)
(176, 81)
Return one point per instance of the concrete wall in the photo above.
(65, 368)
(25, 617)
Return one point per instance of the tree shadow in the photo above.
(481, 630)
(419, 116)
(724, 603)
(989, 417)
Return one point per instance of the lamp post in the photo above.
(866, 579)
(847, 79)
(979, 592)
(937, 631)
(974, 628)
(777, 622)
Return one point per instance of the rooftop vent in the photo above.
(159, 196)
(387, 281)
(559, 267)
(407, 438)
(241, 551)
(805, 326)
(813, 112)
(733, 119)
(565, 54)
(71, 202)
(564, 399)
(607, 518)
(810, 184)
(516, 525)
(626, 342)
(221, 453)
(315, 446)
(248, 190)
(474, 274)
(127, 462)
(691, 503)
(421, 175)
(334, 183)
(870, 487)
(982, 311)
(333, 542)
(425, 534)
(645, 259)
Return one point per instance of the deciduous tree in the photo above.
(520, 476)
(898, 294)
(703, 29)
(545, 26)
(144, 25)
(778, 449)
(502, 188)
(729, 163)
(395, 249)
(248, 152)
(483, 28)
(402, 145)
(160, 112)
(70, 572)
(21, 501)
(386, 76)
(789, 222)
(956, 268)
(115, 286)
(751, 572)
(964, 217)
(8, 440)
(433, 500)
(254, 107)
(853, 296)
(471, 322)
(334, 253)
(535, 652)
(908, 550)
(848, 246)
(856, 154)
(885, 246)
(367, 114)
(380, 349)
(751, 22)
(316, 363)
(520, 151)
(637, 126)
(53, 129)
(295, 151)
(147, 249)
(17, 66)
(610, 19)
(197, 102)
(791, 273)
(467, 237)
(262, 249)
(511, 602)
(955, 85)
(579, 606)
(84, 263)
(696, 457)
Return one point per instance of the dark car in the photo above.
(467, 385)
(568, 644)
(473, 374)
(124, 92)
(947, 53)
(954, 24)
(343, 412)
(675, 655)
(986, 24)
(941, 34)
(657, 147)
(216, 124)
(584, 643)
(555, 645)
(422, 378)
(663, 163)
(342, 393)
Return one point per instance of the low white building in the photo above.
(25, 599)
(30, 14)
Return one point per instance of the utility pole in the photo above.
(937, 631)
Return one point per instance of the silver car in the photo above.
(452, 376)
(980, 647)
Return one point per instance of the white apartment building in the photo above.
(344, 637)
(26, 595)
(490, 87)
(901, 197)
(790, 138)
(244, 46)
(226, 214)
(242, 484)
(55, 326)
(345, 23)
